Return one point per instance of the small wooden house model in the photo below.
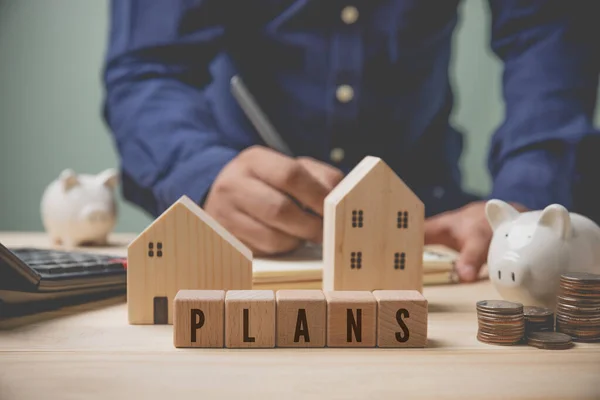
(184, 248)
(373, 232)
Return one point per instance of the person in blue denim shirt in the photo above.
(340, 80)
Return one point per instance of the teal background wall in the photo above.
(51, 53)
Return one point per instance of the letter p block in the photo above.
(198, 318)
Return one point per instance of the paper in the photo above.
(306, 264)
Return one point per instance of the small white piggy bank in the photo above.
(80, 209)
(531, 250)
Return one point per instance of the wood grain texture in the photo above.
(182, 249)
(250, 318)
(301, 318)
(351, 319)
(401, 318)
(199, 318)
(373, 236)
(90, 351)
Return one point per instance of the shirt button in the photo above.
(344, 93)
(438, 192)
(337, 155)
(349, 15)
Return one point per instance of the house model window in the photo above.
(356, 260)
(399, 260)
(402, 220)
(159, 247)
(357, 218)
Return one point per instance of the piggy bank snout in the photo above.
(509, 273)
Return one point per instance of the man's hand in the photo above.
(256, 198)
(467, 231)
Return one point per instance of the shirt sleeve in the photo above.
(550, 54)
(156, 72)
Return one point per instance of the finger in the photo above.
(277, 210)
(472, 256)
(260, 238)
(439, 230)
(328, 175)
(289, 176)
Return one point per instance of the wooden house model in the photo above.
(184, 248)
(373, 234)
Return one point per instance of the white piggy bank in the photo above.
(80, 209)
(529, 251)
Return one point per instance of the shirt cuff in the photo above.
(536, 179)
(193, 177)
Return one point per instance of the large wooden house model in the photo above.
(373, 232)
(184, 248)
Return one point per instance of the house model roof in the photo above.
(185, 201)
(362, 170)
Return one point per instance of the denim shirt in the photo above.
(340, 80)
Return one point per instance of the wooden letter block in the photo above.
(301, 318)
(402, 318)
(351, 319)
(198, 318)
(250, 318)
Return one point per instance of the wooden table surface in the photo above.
(89, 351)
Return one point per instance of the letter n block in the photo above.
(301, 318)
(198, 318)
(351, 319)
(250, 318)
(402, 318)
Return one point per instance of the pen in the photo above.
(262, 124)
(257, 116)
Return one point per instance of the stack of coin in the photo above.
(578, 306)
(538, 319)
(500, 322)
(549, 340)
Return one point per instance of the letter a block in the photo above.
(198, 318)
(249, 318)
(402, 318)
(301, 318)
(351, 319)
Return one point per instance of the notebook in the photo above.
(303, 269)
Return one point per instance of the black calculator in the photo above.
(30, 274)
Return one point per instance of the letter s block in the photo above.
(198, 318)
(301, 320)
(351, 319)
(401, 318)
(250, 318)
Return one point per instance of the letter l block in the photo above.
(198, 318)
(250, 318)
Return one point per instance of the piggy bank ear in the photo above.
(557, 218)
(498, 212)
(109, 178)
(68, 178)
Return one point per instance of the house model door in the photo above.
(161, 310)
